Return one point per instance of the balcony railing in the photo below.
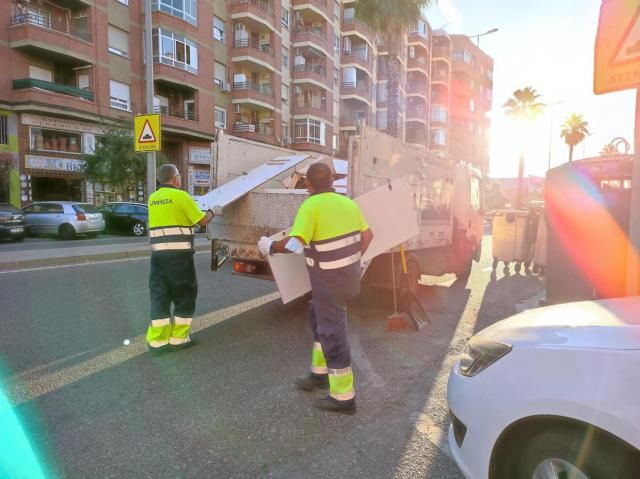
(416, 112)
(44, 21)
(263, 88)
(307, 67)
(253, 128)
(311, 105)
(246, 43)
(417, 88)
(25, 83)
(358, 54)
(176, 112)
(316, 34)
(262, 5)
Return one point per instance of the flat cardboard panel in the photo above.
(392, 217)
(240, 186)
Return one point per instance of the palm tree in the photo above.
(574, 130)
(523, 106)
(608, 149)
(391, 21)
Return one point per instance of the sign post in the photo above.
(617, 67)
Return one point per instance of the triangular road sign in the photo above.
(147, 135)
(628, 50)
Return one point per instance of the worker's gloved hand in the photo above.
(217, 210)
(264, 245)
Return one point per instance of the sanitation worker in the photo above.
(172, 279)
(333, 234)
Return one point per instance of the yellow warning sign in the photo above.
(617, 53)
(147, 132)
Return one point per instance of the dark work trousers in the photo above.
(329, 327)
(172, 279)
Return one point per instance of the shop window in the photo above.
(55, 140)
(4, 129)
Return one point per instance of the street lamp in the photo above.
(477, 37)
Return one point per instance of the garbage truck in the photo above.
(263, 200)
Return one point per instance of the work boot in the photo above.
(311, 382)
(333, 405)
(158, 351)
(179, 347)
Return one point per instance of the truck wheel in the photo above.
(464, 260)
(518, 267)
(494, 266)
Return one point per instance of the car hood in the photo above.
(605, 324)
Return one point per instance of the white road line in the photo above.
(360, 358)
(86, 263)
(42, 380)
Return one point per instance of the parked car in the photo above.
(64, 218)
(12, 224)
(124, 217)
(551, 393)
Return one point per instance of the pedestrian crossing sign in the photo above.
(147, 133)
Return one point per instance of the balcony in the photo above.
(320, 4)
(252, 10)
(415, 37)
(43, 35)
(353, 119)
(441, 77)
(442, 53)
(358, 57)
(177, 112)
(313, 35)
(319, 109)
(419, 64)
(258, 93)
(254, 131)
(352, 25)
(315, 72)
(359, 91)
(417, 113)
(253, 50)
(55, 95)
(417, 88)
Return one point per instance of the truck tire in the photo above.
(463, 260)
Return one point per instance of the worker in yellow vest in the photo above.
(333, 234)
(172, 279)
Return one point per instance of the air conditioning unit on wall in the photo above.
(225, 86)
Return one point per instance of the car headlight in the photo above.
(480, 353)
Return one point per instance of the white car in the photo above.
(552, 392)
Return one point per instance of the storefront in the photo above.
(52, 166)
(199, 181)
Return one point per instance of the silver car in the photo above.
(64, 218)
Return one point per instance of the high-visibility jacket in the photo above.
(331, 225)
(172, 216)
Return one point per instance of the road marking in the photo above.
(360, 358)
(86, 263)
(36, 382)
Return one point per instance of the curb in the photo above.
(83, 259)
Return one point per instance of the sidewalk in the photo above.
(11, 260)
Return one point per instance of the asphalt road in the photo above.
(92, 407)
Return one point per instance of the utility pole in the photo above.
(633, 263)
(148, 71)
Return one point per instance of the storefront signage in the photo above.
(202, 177)
(60, 124)
(54, 164)
(200, 156)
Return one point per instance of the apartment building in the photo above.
(471, 100)
(297, 73)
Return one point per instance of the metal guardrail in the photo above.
(308, 104)
(46, 23)
(317, 69)
(176, 112)
(262, 5)
(25, 83)
(260, 88)
(253, 128)
(247, 43)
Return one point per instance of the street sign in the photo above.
(147, 133)
(617, 52)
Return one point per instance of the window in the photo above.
(219, 73)
(4, 129)
(335, 142)
(439, 137)
(336, 9)
(285, 18)
(349, 15)
(439, 114)
(38, 73)
(336, 43)
(285, 57)
(285, 132)
(285, 94)
(221, 117)
(187, 10)
(124, 2)
(119, 92)
(55, 140)
(381, 119)
(175, 50)
(462, 56)
(218, 29)
(336, 77)
(118, 41)
(309, 131)
(83, 81)
(383, 92)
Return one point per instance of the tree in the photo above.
(114, 159)
(608, 150)
(391, 20)
(574, 130)
(524, 106)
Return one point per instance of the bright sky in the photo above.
(546, 44)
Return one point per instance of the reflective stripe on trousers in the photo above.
(341, 384)
(180, 331)
(159, 332)
(318, 361)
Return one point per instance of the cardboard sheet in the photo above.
(392, 217)
(240, 186)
